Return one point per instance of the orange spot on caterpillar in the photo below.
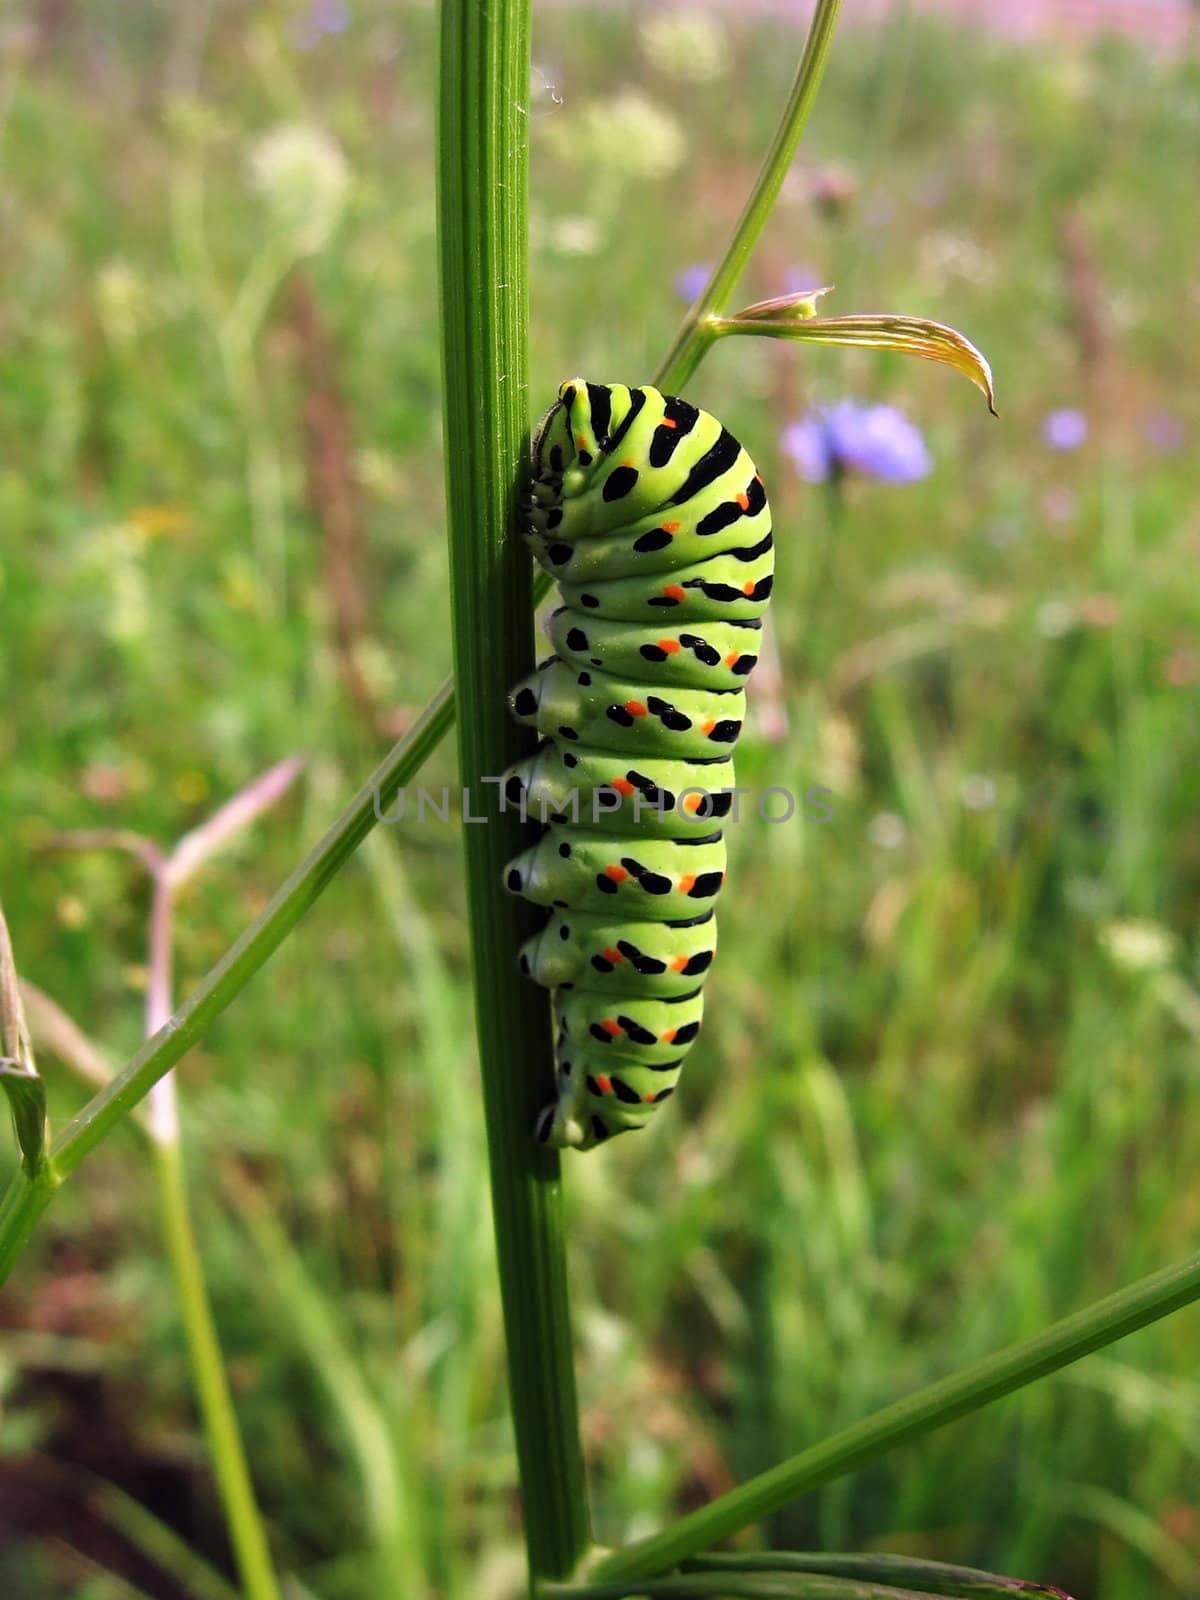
(743, 500)
(629, 462)
(692, 802)
(674, 591)
(668, 422)
(635, 708)
(747, 588)
(732, 659)
(687, 882)
(668, 1037)
(707, 727)
(671, 527)
(622, 786)
(580, 441)
(679, 962)
(648, 1099)
(612, 954)
(611, 1026)
(616, 873)
(668, 646)
(603, 1084)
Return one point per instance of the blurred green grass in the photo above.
(930, 1111)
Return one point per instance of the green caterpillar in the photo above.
(654, 521)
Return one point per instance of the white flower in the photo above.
(639, 138)
(840, 754)
(690, 46)
(576, 235)
(945, 256)
(124, 303)
(977, 791)
(302, 176)
(1055, 618)
(887, 830)
(1138, 945)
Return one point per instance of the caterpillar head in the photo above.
(572, 434)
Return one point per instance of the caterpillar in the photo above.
(654, 521)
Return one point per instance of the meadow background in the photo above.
(948, 1086)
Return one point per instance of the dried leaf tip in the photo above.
(803, 306)
(794, 317)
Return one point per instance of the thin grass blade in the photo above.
(923, 1577)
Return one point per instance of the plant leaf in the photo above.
(911, 1575)
(734, 1583)
(19, 1076)
(790, 317)
(27, 1102)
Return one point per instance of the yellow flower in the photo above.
(159, 521)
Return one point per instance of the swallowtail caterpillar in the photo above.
(654, 522)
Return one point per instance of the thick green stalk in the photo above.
(246, 1531)
(28, 1197)
(483, 165)
(932, 1407)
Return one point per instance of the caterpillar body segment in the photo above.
(677, 655)
(605, 713)
(649, 798)
(663, 879)
(605, 956)
(736, 586)
(654, 521)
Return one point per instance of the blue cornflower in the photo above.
(1065, 429)
(876, 440)
(324, 17)
(692, 280)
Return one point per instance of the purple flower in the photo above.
(324, 17)
(807, 443)
(850, 437)
(1164, 431)
(692, 280)
(1065, 429)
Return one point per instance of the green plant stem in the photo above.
(693, 338)
(932, 1407)
(154, 1539)
(28, 1197)
(230, 1472)
(482, 232)
(23, 1204)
